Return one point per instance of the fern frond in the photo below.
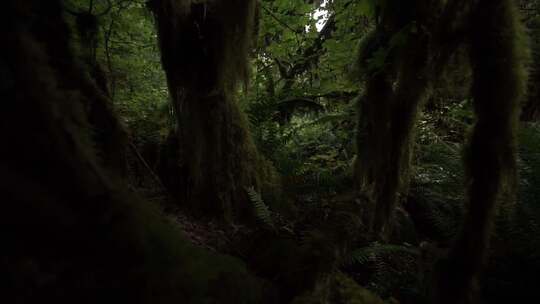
(374, 253)
(262, 212)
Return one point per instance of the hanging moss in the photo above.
(497, 52)
(412, 87)
(372, 141)
(397, 56)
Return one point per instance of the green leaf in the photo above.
(367, 7)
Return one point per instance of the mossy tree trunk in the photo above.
(374, 131)
(205, 48)
(71, 232)
(109, 133)
(219, 159)
(531, 106)
(388, 112)
(499, 81)
(418, 39)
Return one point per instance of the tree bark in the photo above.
(205, 48)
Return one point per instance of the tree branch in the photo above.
(279, 20)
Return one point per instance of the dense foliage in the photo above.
(343, 142)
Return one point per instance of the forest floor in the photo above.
(210, 234)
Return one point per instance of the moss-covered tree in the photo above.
(109, 133)
(205, 47)
(400, 59)
(497, 55)
(531, 105)
(71, 232)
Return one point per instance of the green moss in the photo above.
(72, 232)
(498, 55)
(398, 57)
(205, 47)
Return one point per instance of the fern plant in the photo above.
(389, 268)
(262, 212)
(376, 250)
